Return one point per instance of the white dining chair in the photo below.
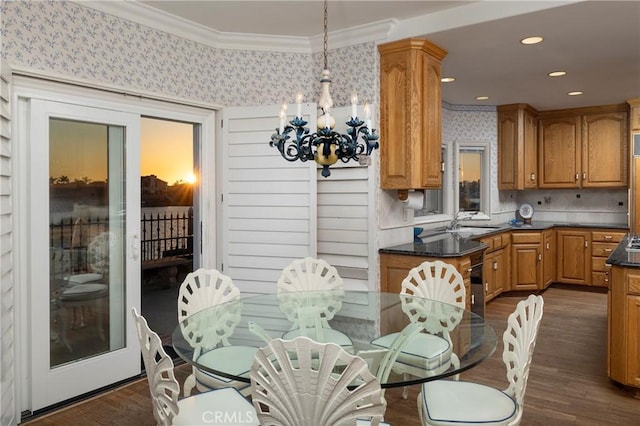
(309, 274)
(203, 289)
(310, 292)
(219, 407)
(432, 295)
(301, 382)
(450, 402)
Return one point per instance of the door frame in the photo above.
(26, 87)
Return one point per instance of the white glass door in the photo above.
(84, 243)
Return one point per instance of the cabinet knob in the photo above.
(577, 176)
(607, 250)
(608, 237)
(586, 244)
(533, 176)
(539, 257)
(584, 175)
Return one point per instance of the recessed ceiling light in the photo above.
(531, 40)
(481, 98)
(447, 79)
(557, 73)
(576, 93)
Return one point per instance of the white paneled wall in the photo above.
(275, 211)
(268, 203)
(345, 220)
(7, 298)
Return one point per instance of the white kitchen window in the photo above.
(472, 186)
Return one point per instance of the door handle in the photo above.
(134, 246)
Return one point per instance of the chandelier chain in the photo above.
(326, 34)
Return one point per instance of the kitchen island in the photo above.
(623, 337)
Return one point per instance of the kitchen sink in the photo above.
(472, 231)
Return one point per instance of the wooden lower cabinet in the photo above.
(624, 327)
(603, 243)
(574, 261)
(496, 266)
(394, 268)
(548, 257)
(526, 260)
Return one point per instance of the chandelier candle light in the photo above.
(326, 146)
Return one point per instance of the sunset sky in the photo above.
(79, 150)
(167, 150)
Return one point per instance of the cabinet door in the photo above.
(635, 118)
(397, 81)
(488, 276)
(508, 153)
(526, 267)
(604, 150)
(574, 262)
(530, 134)
(633, 341)
(500, 269)
(549, 257)
(559, 152)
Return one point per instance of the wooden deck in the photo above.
(568, 384)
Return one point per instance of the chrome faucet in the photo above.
(454, 224)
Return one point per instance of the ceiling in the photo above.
(596, 42)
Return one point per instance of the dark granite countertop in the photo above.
(622, 257)
(447, 244)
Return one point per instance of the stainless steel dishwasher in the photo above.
(477, 283)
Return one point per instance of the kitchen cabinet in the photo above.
(634, 115)
(574, 256)
(624, 327)
(603, 242)
(410, 114)
(517, 147)
(548, 257)
(583, 147)
(394, 268)
(526, 260)
(496, 267)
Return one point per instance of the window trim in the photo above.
(485, 178)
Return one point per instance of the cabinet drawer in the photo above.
(607, 236)
(599, 264)
(602, 249)
(526, 237)
(633, 284)
(600, 279)
(495, 242)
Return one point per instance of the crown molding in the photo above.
(162, 21)
(360, 34)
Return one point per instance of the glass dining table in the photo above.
(405, 340)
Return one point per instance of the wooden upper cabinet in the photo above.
(410, 114)
(605, 150)
(517, 147)
(634, 115)
(559, 151)
(584, 148)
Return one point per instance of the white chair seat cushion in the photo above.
(237, 361)
(219, 407)
(84, 278)
(329, 336)
(424, 351)
(450, 402)
(84, 292)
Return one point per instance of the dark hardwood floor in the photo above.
(568, 383)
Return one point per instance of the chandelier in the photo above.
(326, 146)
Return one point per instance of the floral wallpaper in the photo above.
(69, 38)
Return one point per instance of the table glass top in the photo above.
(447, 340)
